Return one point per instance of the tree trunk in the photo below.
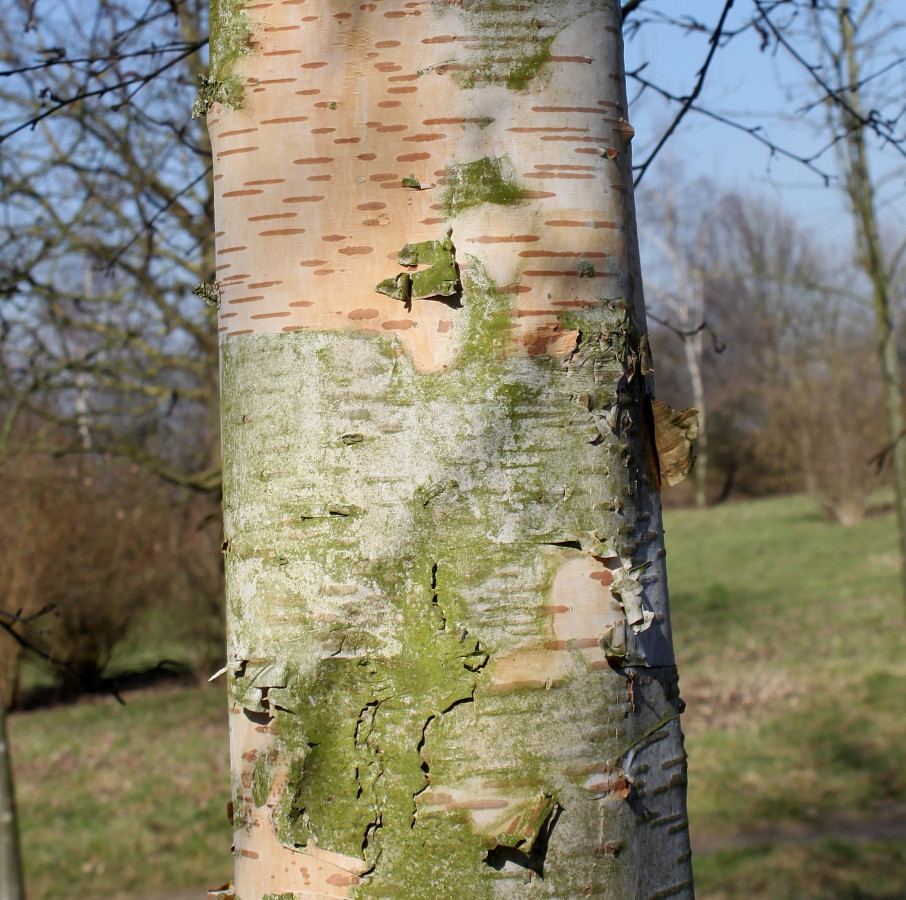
(860, 190)
(450, 663)
(693, 351)
(12, 886)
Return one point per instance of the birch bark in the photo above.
(450, 663)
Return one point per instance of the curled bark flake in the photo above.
(627, 589)
(441, 279)
(674, 433)
(525, 828)
(224, 892)
(613, 642)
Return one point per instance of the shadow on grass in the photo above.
(166, 672)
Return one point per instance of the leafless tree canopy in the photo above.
(105, 230)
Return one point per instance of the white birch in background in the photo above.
(450, 662)
(682, 299)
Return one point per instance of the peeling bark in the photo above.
(449, 654)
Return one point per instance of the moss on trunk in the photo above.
(392, 598)
(230, 33)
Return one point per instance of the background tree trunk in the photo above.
(693, 350)
(860, 190)
(449, 654)
(12, 887)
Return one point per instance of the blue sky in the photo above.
(751, 87)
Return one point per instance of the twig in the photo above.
(718, 345)
(753, 131)
(882, 129)
(688, 101)
(630, 7)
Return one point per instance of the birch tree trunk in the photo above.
(861, 192)
(450, 663)
(685, 300)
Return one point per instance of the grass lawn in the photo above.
(792, 646)
(792, 651)
(117, 800)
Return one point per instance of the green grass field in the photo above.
(120, 800)
(791, 639)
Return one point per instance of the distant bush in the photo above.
(92, 547)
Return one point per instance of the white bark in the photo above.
(449, 643)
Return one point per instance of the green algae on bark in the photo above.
(515, 42)
(440, 280)
(517, 73)
(384, 677)
(230, 32)
(491, 179)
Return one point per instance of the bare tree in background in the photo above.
(12, 885)
(851, 49)
(680, 231)
(105, 232)
(850, 54)
(793, 318)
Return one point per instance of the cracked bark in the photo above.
(450, 662)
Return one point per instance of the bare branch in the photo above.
(754, 131)
(837, 95)
(687, 101)
(630, 7)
